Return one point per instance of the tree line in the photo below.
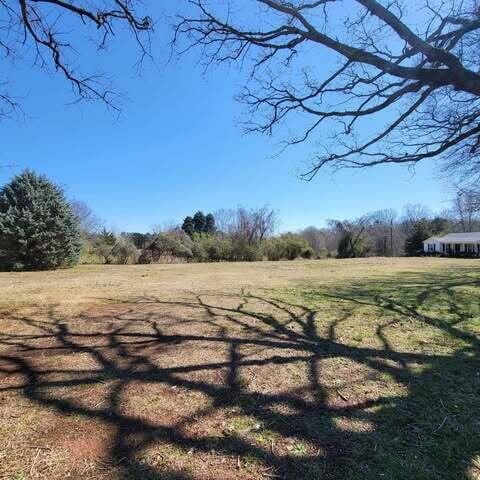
(41, 229)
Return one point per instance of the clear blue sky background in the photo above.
(177, 148)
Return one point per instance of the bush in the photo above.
(307, 252)
(38, 230)
(109, 248)
(288, 246)
(274, 249)
(199, 252)
(88, 256)
(211, 248)
(124, 251)
(243, 251)
(171, 244)
(324, 253)
(251, 253)
(145, 257)
(296, 246)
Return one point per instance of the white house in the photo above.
(454, 244)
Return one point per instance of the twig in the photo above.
(441, 425)
(343, 397)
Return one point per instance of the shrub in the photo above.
(38, 230)
(288, 246)
(246, 252)
(199, 252)
(273, 249)
(110, 248)
(324, 253)
(295, 246)
(124, 251)
(145, 257)
(211, 248)
(251, 253)
(88, 255)
(307, 252)
(171, 244)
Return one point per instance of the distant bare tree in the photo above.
(89, 222)
(45, 28)
(353, 240)
(466, 210)
(167, 226)
(315, 238)
(414, 213)
(225, 220)
(415, 63)
(256, 224)
(386, 237)
(249, 225)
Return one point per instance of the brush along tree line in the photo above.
(40, 229)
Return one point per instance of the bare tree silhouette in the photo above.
(241, 334)
(411, 68)
(47, 28)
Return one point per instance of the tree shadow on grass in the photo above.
(411, 412)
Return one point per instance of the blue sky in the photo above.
(177, 148)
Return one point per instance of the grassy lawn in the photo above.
(354, 369)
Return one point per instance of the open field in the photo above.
(335, 369)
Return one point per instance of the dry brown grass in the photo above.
(320, 369)
(97, 283)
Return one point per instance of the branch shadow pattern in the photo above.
(417, 433)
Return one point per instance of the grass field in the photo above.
(334, 369)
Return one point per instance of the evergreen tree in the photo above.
(104, 244)
(188, 226)
(439, 225)
(210, 224)
(38, 229)
(199, 222)
(414, 242)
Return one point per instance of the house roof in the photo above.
(432, 240)
(470, 237)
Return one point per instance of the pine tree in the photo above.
(188, 226)
(38, 229)
(414, 242)
(199, 222)
(210, 224)
(104, 244)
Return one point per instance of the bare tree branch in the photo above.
(410, 70)
(35, 26)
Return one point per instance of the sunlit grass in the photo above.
(315, 370)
